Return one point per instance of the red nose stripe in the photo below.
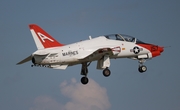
(147, 46)
(155, 53)
(155, 50)
(161, 49)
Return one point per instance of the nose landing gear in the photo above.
(142, 68)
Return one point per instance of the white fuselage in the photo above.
(86, 51)
(53, 54)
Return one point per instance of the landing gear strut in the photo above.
(84, 71)
(142, 68)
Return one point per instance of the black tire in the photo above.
(106, 72)
(142, 69)
(84, 80)
(139, 69)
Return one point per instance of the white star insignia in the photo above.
(136, 50)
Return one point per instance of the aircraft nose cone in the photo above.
(161, 49)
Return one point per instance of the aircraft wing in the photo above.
(63, 67)
(101, 52)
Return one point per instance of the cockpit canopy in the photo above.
(123, 37)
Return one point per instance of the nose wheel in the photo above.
(142, 68)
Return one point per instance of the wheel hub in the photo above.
(106, 72)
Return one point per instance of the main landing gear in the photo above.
(142, 68)
(84, 72)
(106, 72)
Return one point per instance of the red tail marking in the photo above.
(46, 39)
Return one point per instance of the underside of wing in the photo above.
(63, 67)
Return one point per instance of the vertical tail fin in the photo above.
(42, 38)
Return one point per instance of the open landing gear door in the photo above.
(104, 62)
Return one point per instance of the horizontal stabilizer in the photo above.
(25, 60)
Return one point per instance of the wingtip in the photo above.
(17, 63)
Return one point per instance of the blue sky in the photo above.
(26, 88)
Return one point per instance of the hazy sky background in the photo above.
(26, 88)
